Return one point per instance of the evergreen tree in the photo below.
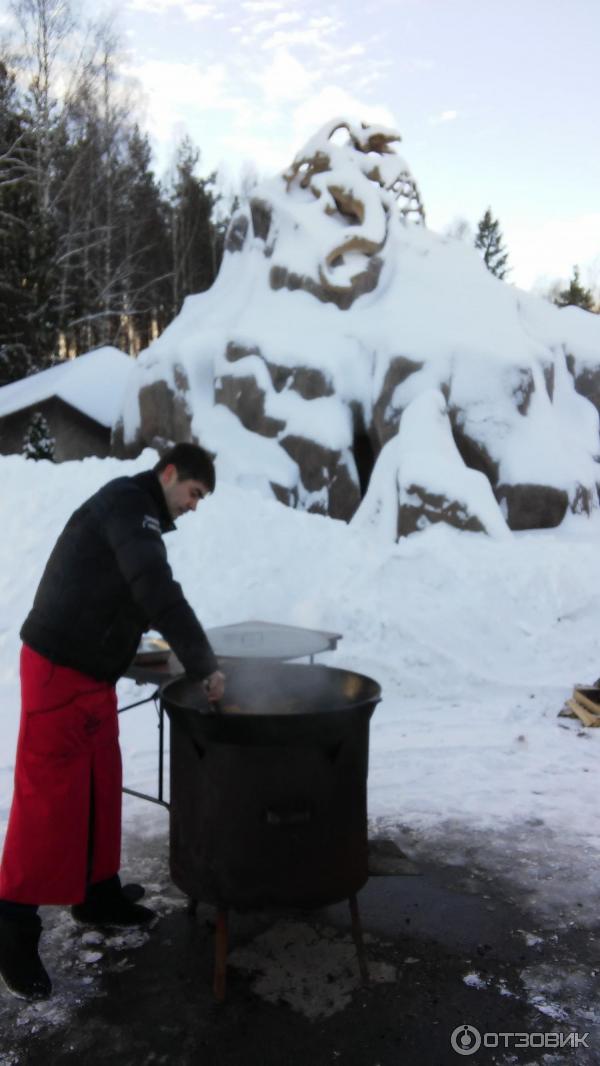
(114, 241)
(489, 242)
(15, 205)
(37, 442)
(575, 295)
(80, 175)
(92, 249)
(45, 26)
(145, 246)
(194, 236)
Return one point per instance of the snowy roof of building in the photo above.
(93, 383)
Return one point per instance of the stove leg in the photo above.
(220, 956)
(358, 939)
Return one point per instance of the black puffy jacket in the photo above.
(107, 580)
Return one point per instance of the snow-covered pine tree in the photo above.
(575, 295)
(37, 442)
(489, 242)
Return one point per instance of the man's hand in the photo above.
(215, 685)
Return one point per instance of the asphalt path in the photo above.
(450, 952)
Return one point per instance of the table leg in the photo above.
(220, 955)
(358, 939)
(161, 740)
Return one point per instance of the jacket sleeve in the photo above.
(133, 532)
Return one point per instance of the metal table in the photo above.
(253, 639)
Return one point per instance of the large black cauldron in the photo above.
(268, 795)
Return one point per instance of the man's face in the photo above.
(181, 496)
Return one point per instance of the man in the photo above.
(106, 581)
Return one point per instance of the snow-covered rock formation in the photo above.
(352, 362)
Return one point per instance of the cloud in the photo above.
(329, 102)
(550, 248)
(270, 156)
(283, 18)
(183, 82)
(285, 78)
(271, 138)
(182, 95)
(259, 7)
(302, 49)
(444, 116)
(195, 12)
(282, 75)
(370, 74)
(191, 10)
(319, 46)
(314, 36)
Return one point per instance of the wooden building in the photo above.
(79, 398)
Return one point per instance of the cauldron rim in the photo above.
(370, 696)
(327, 722)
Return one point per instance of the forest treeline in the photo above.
(93, 248)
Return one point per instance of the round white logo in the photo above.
(466, 1040)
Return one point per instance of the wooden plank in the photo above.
(584, 716)
(585, 701)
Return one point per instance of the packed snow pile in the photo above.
(350, 362)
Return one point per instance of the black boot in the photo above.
(133, 891)
(20, 965)
(107, 903)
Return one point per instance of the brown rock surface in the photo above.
(386, 417)
(533, 506)
(282, 278)
(244, 396)
(587, 380)
(324, 468)
(431, 508)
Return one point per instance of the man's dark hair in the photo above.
(190, 461)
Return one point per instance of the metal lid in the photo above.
(269, 640)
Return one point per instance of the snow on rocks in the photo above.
(433, 484)
(332, 313)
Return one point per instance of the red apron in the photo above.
(68, 764)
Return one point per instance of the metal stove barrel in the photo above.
(268, 800)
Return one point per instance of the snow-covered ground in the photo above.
(476, 643)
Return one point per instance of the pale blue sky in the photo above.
(497, 101)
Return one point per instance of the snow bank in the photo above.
(476, 642)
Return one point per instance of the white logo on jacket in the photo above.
(151, 523)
